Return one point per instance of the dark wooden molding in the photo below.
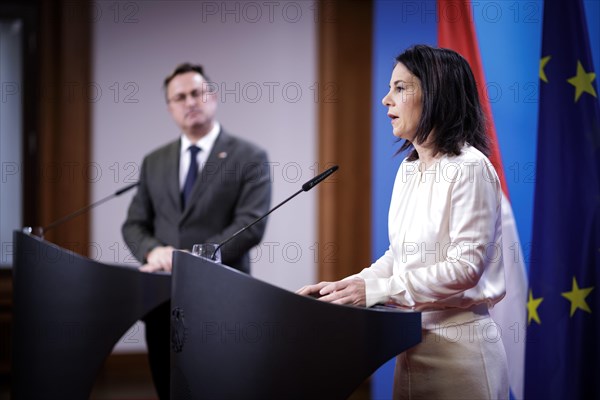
(64, 125)
(6, 316)
(345, 56)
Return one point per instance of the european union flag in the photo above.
(563, 334)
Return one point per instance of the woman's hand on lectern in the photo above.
(347, 291)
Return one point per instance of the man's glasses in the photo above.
(196, 94)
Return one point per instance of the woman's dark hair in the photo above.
(451, 107)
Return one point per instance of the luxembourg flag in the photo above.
(456, 31)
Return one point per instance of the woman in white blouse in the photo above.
(445, 254)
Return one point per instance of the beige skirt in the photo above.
(461, 356)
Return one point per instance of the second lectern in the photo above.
(69, 313)
(233, 337)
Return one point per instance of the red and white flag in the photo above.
(456, 31)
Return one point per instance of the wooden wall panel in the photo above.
(64, 130)
(345, 43)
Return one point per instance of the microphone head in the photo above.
(319, 178)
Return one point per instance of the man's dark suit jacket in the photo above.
(232, 190)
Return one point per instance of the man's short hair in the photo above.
(182, 69)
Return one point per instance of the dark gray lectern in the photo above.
(69, 313)
(235, 337)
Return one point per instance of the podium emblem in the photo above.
(178, 330)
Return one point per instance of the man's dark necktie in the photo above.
(192, 174)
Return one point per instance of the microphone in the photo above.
(305, 188)
(39, 231)
(318, 179)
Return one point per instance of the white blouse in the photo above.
(445, 237)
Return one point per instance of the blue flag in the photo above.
(563, 333)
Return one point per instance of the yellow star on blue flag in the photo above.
(577, 297)
(532, 306)
(583, 82)
(543, 63)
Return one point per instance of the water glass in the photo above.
(207, 250)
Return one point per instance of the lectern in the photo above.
(235, 337)
(69, 313)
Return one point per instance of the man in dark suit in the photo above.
(200, 188)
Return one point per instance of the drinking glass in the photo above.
(207, 250)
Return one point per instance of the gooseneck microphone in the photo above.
(85, 209)
(305, 188)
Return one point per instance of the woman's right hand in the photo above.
(312, 290)
(347, 291)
